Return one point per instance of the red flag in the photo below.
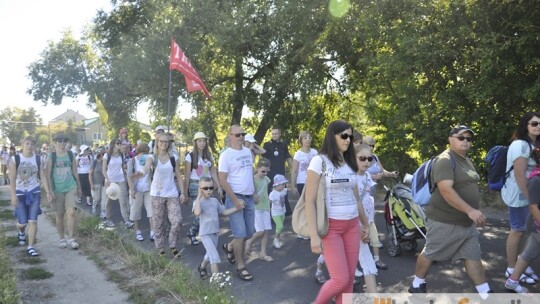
(180, 62)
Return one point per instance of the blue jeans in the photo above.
(242, 222)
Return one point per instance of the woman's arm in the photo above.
(520, 170)
(178, 172)
(311, 190)
(187, 173)
(294, 175)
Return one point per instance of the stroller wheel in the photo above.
(393, 250)
(410, 245)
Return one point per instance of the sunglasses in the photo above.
(363, 158)
(239, 134)
(164, 141)
(118, 143)
(262, 171)
(65, 140)
(534, 123)
(207, 188)
(462, 138)
(344, 136)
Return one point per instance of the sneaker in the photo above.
(515, 287)
(139, 236)
(62, 244)
(358, 273)
(523, 278)
(381, 265)
(129, 224)
(421, 289)
(22, 239)
(277, 244)
(109, 223)
(73, 244)
(103, 215)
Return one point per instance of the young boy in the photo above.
(277, 197)
(208, 208)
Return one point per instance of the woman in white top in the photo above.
(204, 166)
(84, 162)
(301, 161)
(340, 245)
(114, 171)
(515, 193)
(166, 194)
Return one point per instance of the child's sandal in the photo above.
(202, 272)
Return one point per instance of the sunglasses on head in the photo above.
(63, 140)
(534, 123)
(344, 136)
(462, 138)
(207, 188)
(364, 158)
(239, 134)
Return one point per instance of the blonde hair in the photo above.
(303, 134)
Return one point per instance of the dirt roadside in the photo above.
(76, 279)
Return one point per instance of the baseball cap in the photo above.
(460, 129)
(250, 138)
(162, 128)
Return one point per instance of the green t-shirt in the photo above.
(261, 189)
(62, 178)
(465, 180)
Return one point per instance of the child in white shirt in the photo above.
(208, 208)
(277, 197)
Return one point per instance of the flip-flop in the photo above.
(243, 274)
(230, 254)
(266, 258)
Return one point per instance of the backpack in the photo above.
(422, 186)
(173, 163)
(18, 162)
(497, 174)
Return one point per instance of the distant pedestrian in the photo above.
(123, 136)
(277, 151)
(208, 209)
(97, 181)
(4, 158)
(277, 198)
(263, 218)
(454, 214)
(64, 187)
(345, 211)
(27, 175)
(236, 178)
(139, 188)
(251, 143)
(84, 162)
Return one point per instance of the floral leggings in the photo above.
(166, 207)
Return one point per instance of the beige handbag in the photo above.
(299, 220)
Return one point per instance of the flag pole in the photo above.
(169, 104)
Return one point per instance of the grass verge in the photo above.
(35, 273)
(144, 275)
(8, 286)
(6, 215)
(5, 203)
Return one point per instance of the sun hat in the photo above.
(162, 128)
(83, 148)
(113, 192)
(279, 180)
(250, 138)
(460, 129)
(199, 135)
(60, 135)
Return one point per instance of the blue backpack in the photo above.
(497, 174)
(422, 187)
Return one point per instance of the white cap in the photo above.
(162, 128)
(83, 148)
(250, 138)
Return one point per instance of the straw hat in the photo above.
(199, 135)
(113, 192)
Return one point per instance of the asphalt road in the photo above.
(290, 278)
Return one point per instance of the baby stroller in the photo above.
(406, 219)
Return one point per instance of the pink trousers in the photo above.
(340, 248)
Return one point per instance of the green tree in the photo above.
(17, 123)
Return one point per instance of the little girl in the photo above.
(263, 224)
(277, 197)
(208, 208)
(532, 249)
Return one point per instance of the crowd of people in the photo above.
(248, 183)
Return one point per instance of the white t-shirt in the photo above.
(4, 157)
(510, 192)
(203, 167)
(364, 188)
(340, 183)
(27, 173)
(114, 169)
(163, 184)
(303, 159)
(278, 201)
(85, 162)
(238, 164)
(136, 164)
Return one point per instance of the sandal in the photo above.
(230, 253)
(266, 258)
(162, 253)
(32, 252)
(243, 274)
(524, 279)
(22, 239)
(320, 278)
(175, 253)
(202, 272)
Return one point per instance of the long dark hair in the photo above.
(206, 155)
(330, 149)
(522, 131)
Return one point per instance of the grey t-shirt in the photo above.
(97, 176)
(209, 217)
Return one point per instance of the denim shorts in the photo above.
(25, 212)
(518, 218)
(242, 222)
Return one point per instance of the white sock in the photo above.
(418, 281)
(483, 290)
(510, 270)
(320, 260)
(29, 247)
(375, 258)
